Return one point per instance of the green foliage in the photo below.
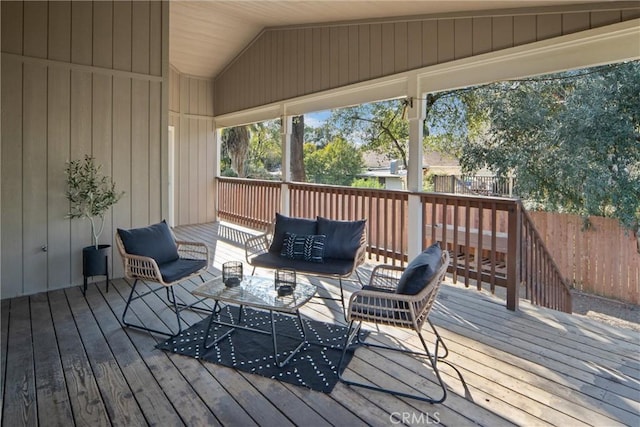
(380, 126)
(337, 163)
(367, 183)
(572, 140)
(90, 194)
(452, 119)
(265, 150)
(228, 172)
(427, 183)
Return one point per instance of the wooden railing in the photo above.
(544, 284)
(248, 202)
(491, 240)
(385, 211)
(475, 231)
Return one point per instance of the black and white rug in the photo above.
(314, 366)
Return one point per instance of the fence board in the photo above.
(603, 260)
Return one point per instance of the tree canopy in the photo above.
(571, 139)
(336, 163)
(378, 126)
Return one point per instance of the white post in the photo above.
(285, 129)
(171, 177)
(217, 142)
(416, 115)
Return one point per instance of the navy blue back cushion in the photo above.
(343, 237)
(284, 224)
(419, 271)
(154, 241)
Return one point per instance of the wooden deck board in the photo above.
(113, 387)
(86, 402)
(51, 389)
(154, 403)
(4, 338)
(188, 404)
(66, 360)
(20, 406)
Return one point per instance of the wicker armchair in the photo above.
(379, 304)
(143, 260)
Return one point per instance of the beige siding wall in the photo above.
(286, 63)
(77, 78)
(191, 114)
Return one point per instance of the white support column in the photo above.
(416, 115)
(217, 142)
(285, 129)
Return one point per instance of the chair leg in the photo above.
(353, 332)
(439, 342)
(192, 306)
(132, 298)
(344, 309)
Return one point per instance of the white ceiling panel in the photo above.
(206, 35)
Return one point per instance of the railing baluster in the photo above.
(479, 248)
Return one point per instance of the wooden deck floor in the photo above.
(66, 360)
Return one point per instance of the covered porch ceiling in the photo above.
(205, 36)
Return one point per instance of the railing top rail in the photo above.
(502, 203)
(264, 182)
(395, 194)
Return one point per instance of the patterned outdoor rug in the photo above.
(314, 366)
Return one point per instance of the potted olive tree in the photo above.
(90, 195)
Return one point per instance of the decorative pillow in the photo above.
(154, 241)
(419, 271)
(308, 248)
(343, 237)
(284, 224)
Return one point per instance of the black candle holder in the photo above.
(232, 273)
(284, 281)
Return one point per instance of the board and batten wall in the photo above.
(284, 63)
(191, 115)
(78, 78)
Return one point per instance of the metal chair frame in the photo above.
(146, 269)
(380, 305)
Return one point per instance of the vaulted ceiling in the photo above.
(206, 35)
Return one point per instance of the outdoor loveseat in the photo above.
(319, 247)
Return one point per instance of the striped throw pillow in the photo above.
(304, 247)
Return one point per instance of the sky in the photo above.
(316, 119)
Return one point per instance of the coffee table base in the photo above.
(235, 326)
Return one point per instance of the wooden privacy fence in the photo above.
(483, 234)
(603, 260)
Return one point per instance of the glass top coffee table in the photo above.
(255, 292)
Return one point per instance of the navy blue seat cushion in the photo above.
(284, 224)
(343, 237)
(154, 241)
(179, 268)
(308, 247)
(330, 266)
(384, 308)
(419, 271)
